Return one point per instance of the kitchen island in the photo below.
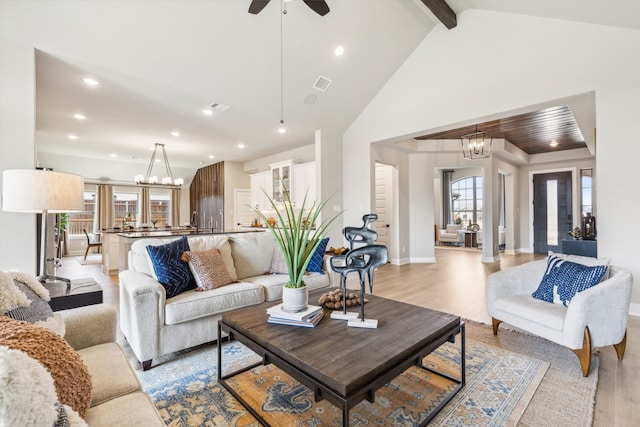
(116, 242)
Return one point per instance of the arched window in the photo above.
(466, 194)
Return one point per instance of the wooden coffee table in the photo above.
(344, 365)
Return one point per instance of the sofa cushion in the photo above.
(453, 228)
(252, 253)
(134, 409)
(192, 305)
(563, 279)
(273, 283)
(171, 271)
(111, 373)
(22, 297)
(70, 375)
(531, 310)
(207, 268)
(317, 259)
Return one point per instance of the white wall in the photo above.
(18, 243)
(517, 61)
(234, 178)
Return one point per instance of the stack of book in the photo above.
(308, 318)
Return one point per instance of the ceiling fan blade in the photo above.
(257, 5)
(318, 6)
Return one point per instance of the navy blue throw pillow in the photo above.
(564, 279)
(173, 273)
(317, 259)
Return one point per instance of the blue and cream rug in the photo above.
(499, 386)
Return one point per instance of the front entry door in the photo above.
(552, 208)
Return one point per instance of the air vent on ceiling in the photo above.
(322, 83)
(218, 106)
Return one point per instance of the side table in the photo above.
(470, 239)
(82, 292)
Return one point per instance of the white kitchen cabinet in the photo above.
(260, 181)
(282, 180)
(304, 180)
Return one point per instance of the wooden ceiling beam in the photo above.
(443, 12)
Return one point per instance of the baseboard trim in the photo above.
(490, 260)
(423, 260)
(634, 309)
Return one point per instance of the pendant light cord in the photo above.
(283, 12)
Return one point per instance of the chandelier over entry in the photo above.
(476, 145)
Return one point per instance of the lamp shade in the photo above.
(26, 190)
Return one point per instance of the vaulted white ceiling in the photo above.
(160, 63)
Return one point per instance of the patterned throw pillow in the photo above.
(563, 279)
(173, 273)
(22, 297)
(317, 260)
(70, 375)
(208, 269)
(278, 264)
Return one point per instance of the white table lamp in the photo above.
(43, 192)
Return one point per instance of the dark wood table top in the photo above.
(345, 359)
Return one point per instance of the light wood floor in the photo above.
(455, 284)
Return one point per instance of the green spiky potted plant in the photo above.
(298, 238)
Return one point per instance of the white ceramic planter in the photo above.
(295, 299)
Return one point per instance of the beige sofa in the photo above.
(117, 397)
(155, 325)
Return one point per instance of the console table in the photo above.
(580, 247)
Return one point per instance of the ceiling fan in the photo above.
(318, 6)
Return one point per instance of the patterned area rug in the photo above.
(499, 386)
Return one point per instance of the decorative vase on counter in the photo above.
(589, 227)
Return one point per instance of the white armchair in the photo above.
(596, 317)
(451, 234)
(501, 236)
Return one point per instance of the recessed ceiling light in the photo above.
(241, 145)
(90, 82)
(114, 155)
(175, 133)
(282, 129)
(79, 116)
(152, 148)
(72, 136)
(553, 144)
(339, 50)
(207, 112)
(157, 160)
(211, 156)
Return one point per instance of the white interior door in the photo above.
(243, 215)
(384, 205)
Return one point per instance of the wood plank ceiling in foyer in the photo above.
(531, 132)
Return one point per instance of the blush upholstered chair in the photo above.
(595, 317)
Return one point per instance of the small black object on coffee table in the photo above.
(345, 375)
